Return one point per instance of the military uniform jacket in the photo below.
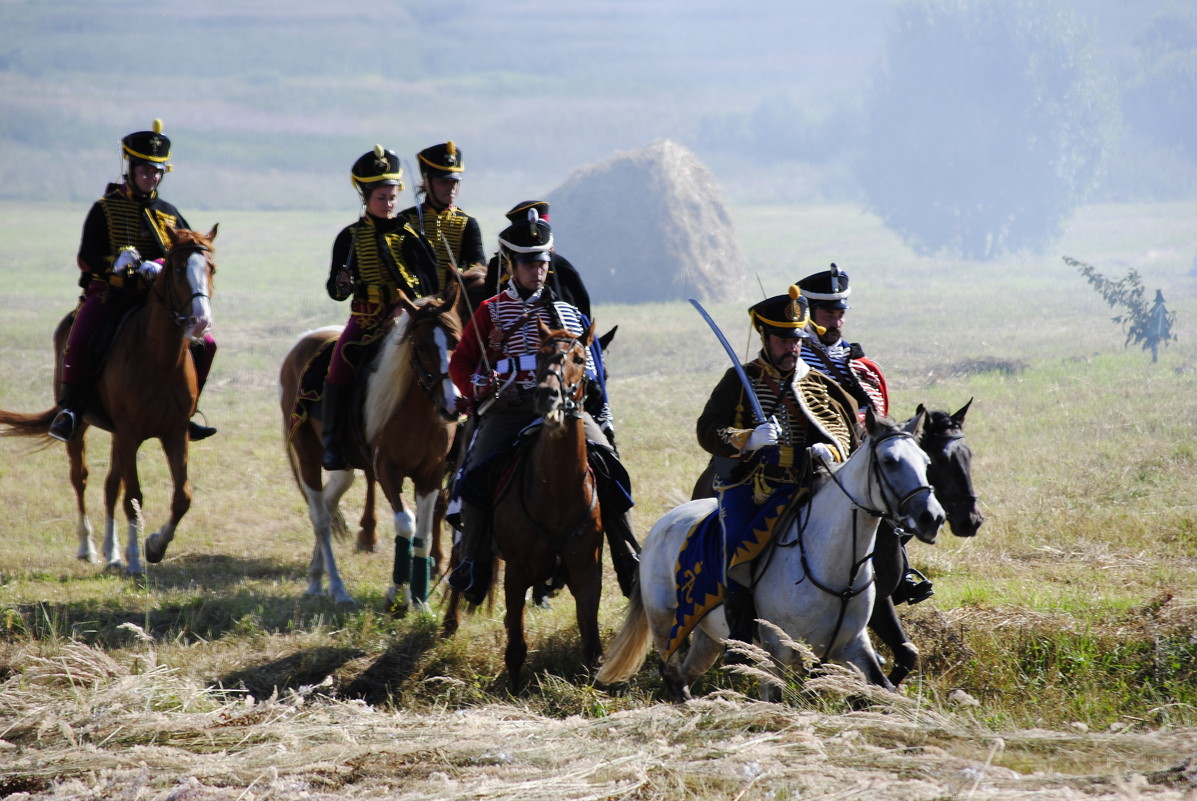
(382, 256)
(117, 221)
(563, 277)
(449, 232)
(808, 405)
(846, 363)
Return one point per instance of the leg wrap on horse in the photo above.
(421, 569)
(401, 568)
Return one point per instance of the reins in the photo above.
(848, 593)
(571, 393)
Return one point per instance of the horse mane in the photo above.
(390, 376)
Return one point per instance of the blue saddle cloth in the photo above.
(702, 563)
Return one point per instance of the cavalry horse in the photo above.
(145, 389)
(410, 416)
(547, 520)
(950, 474)
(817, 583)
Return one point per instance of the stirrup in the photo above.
(914, 588)
(63, 427)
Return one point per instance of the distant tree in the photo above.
(1161, 99)
(989, 124)
(1149, 326)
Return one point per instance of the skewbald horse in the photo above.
(147, 387)
(410, 418)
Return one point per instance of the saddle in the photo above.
(307, 401)
(98, 349)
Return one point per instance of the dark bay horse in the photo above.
(950, 473)
(547, 522)
(145, 389)
(409, 420)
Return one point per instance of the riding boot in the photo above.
(330, 416)
(913, 588)
(66, 422)
(203, 361)
(472, 575)
(625, 551)
(740, 611)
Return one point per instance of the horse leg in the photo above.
(110, 550)
(517, 646)
(323, 560)
(449, 623)
(886, 624)
(125, 456)
(367, 534)
(421, 568)
(180, 501)
(338, 483)
(703, 653)
(436, 550)
(77, 454)
(399, 594)
(584, 575)
(859, 652)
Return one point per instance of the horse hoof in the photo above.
(115, 567)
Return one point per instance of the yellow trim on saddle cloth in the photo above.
(759, 538)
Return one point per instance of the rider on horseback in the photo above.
(124, 242)
(372, 260)
(495, 366)
(763, 464)
(827, 293)
(563, 276)
(454, 235)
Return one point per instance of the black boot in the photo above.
(625, 551)
(913, 588)
(198, 432)
(740, 612)
(199, 355)
(70, 406)
(330, 416)
(472, 576)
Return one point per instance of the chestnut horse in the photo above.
(147, 389)
(410, 417)
(548, 519)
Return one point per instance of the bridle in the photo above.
(957, 499)
(550, 364)
(891, 513)
(426, 379)
(179, 311)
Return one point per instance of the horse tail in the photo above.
(28, 425)
(630, 647)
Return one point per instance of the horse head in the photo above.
(434, 330)
(186, 283)
(950, 471)
(899, 468)
(561, 374)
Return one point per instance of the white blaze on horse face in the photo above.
(449, 393)
(200, 319)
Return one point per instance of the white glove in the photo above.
(821, 451)
(762, 436)
(128, 258)
(149, 269)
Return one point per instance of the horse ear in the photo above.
(545, 331)
(172, 235)
(921, 408)
(605, 339)
(589, 335)
(914, 426)
(212, 233)
(958, 417)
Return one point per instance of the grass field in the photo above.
(1069, 619)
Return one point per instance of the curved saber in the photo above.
(735, 360)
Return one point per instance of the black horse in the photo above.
(950, 473)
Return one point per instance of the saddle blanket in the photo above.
(700, 573)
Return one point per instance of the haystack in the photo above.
(648, 225)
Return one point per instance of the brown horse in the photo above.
(548, 522)
(145, 389)
(409, 420)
